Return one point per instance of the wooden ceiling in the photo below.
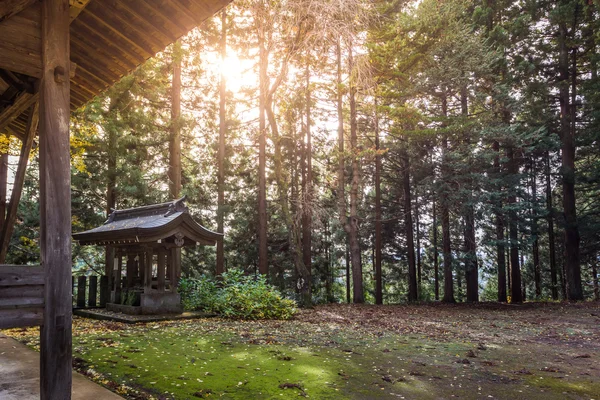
(109, 38)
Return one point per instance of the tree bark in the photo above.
(445, 213)
(436, 267)
(567, 136)
(263, 266)
(307, 196)
(3, 186)
(499, 222)
(516, 292)
(551, 239)
(537, 277)
(352, 223)
(378, 223)
(13, 205)
(471, 268)
(221, 153)
(408, 228)
(175, 134)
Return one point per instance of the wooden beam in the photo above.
(8, 8)
(76, 7)
(55, 203)
(22, 103)
(11, 214)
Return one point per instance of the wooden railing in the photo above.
(21, 296)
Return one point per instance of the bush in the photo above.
(238, 297)
(198, 294)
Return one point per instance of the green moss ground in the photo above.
(215, 358)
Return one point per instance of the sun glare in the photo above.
(237, 73)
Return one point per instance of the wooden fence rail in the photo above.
(21, 296)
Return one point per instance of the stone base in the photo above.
(151, 304)
(161, 303)
(125, 309)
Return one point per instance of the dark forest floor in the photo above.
(430, 351)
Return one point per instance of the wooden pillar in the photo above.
(173, 269)
(81, 286)
(118, 279)
(142, 267)
(93, 292)
(104, 290)
(109, 260)
(148, 272)
(55, 203)
(130, 270)
(161, 270)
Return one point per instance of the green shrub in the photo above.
(238, 297)
(198, 294)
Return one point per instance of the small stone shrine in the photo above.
(143, 247)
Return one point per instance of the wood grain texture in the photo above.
(55, 203)
(8, 8)
(21, 296)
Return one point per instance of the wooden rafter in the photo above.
(22, 103)
(8, 8)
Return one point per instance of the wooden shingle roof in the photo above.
(150, 224)
(109, 38)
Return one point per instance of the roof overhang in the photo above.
(108, 40)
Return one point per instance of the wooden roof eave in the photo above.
(114, 48)
(184, 224)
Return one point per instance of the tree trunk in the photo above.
(595, 278)
(445, 212)
(347, 259)
(19, 179)
(551, 239)
(307, 197)
(537, 278)
(516, 293)
(499, 221)
(351, 226)
(408, 228)
(263, 266)
(175, 137)
(3, 186)
(418, 240)
(378, 224)
(221, 153)
(436, 271)
(471, 269)
(567, 136)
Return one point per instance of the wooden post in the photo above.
(130, 270)
(173, 269)
(142, 266)
(109, 260)
(118, 279)
(148, 273)
(55, 203)
(104, 290)
(81, 286)
(93, 291)
(161, 270)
